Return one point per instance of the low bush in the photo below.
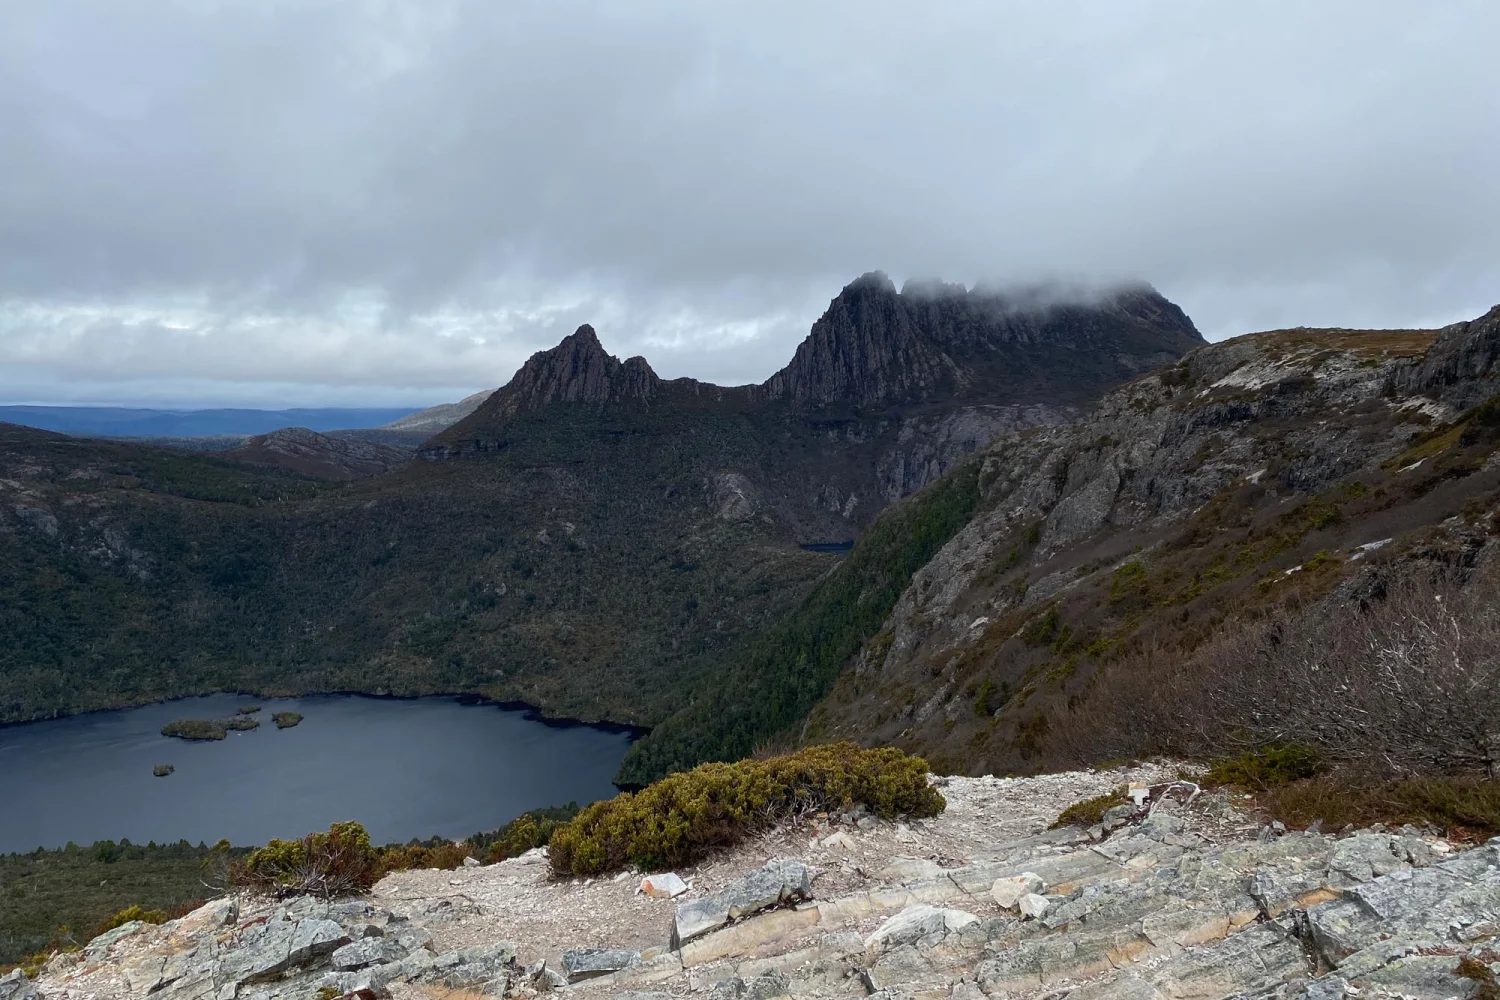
(684, 816)
(1268, 767)
(526, 832)
(1088, 812)
(135, 912)
(336, 863)
(437, 853)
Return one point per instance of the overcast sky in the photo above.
(303, 203)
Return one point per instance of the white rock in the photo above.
(1032, 906)
(916, 922)
(664, 885)
(1008, 891)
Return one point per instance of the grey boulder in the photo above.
(778, 882)
(587, 963)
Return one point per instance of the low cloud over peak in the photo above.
(400, 202)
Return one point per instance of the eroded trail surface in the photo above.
(1185, 896)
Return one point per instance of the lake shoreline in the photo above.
(533, 713)
(406, 767)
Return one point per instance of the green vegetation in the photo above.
(61, 898)
(208, 729)
(134, 912)
(986, 699)
(57, 900)
(162, 770)
(195, 729)
(1268, 767)
(772, 685)
(534, 590)
(336, 863)
(286, 720)
(1087, 812)
(683, 817)
(524, 833)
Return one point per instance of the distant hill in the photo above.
(321, 456)
(443, 415)
(130, 422)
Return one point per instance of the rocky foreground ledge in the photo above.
(1185, 896)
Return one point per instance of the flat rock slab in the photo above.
(586, 963)
(778, 882)
(916, 923)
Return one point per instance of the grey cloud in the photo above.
(400, 196)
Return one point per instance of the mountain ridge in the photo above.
(914, 351)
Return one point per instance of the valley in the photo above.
(590, 540)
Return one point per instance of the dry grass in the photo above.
(1386, 343)
(1465, 809)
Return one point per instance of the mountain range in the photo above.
(136, 422)
(1034, 485)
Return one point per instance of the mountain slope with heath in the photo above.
(591, 539)
(1254, 480)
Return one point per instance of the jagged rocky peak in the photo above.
(576, 370)
(939, 342)
(1465, 354)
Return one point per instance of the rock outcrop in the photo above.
(934, 342)
(1185, 897)
(577, 370)
(322, 456)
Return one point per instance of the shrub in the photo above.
(335, 863)
(684, 816)
(527, 831)
(404, 857)
(1266, 768)
(130, 913)
(1087, 812)
(1477, 972)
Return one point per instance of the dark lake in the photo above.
(403, 768)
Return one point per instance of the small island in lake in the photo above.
(162, 770)
(208, 729)
(286, 720)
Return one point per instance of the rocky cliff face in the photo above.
(1187, 895)
(938, 344)
(1184, 499)
(888, 390)
(577, 370)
